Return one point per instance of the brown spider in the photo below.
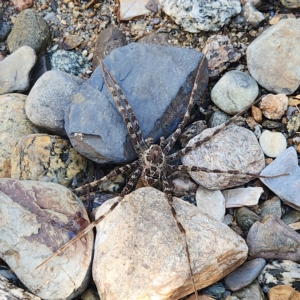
(152, 166)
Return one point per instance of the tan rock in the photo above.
(279, 17)
(290, 3)
(14, 124)
(37, 218)
(132, 8)
(274, 106)
(22, 4)
(49, 158)
(140, 253)
(256, 114)
(283, 292)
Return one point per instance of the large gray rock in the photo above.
(49, 98)
(287, 188)
(37, 218)
(273, 58)
(156, 81)
(29, 29)
(140, 253)
(235, 148)
(15, 70)
(194, 15)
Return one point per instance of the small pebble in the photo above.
(272, 143)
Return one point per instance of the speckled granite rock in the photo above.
(29, 29)
(49, 158)
(194, 16)
(13, 125)
(37, 218)
(15, 70)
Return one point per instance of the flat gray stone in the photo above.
(287, 188)
(245, 274)
(49, 99)
(263, 57)
(143, 71)
(15, 70)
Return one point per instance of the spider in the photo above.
(152, 165)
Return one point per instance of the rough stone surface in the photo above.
(245, 218)
(283, 292)
(95, 126)
(250, 292)
(9, 291)
(30, 30)
(274, 106)
(245, 274)
(220, 53)
(49, 99)
(148, 253)
(234, 92)
(280, 273)
(22, 4)
(287, 188)
(5, 27)
(15, 70)
(271, 207)
(290, 3)
(48, 158)
(263, 57)
(293, 124)
(272, 143)
(13, 125)
(37, 218)
(235, 148)
(242, 196)
(195, 16)
(211, 203)
(252, 15)
(255, 3)
(273, 239)
(108, 40)
(291, 216)
(217, 118)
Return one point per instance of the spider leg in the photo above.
(187, 149)
(131, 183)
(113, 173)
(168, 192)
(231, 172)
(127, 113)
(174, 136)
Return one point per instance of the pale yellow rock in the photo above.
(274, 106)
(132, 8)
(140, 253)
(283, 292)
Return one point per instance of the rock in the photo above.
(139, 237)
(252, 15)
(272, 239)
(131, 8)
(30, 30)
(271, 207)
(22, 4)
(257, 114)
(290, 3)
(287, 188)
(49, 99)
(242, 196)
(281, 292)
(161, 39)
(15, 70)
(68, 61)
(37, 218)
(245, 274)
(256, 3)
(195, 16)
(95, 126)
(5, 27)
(272, 125)
(234, 148)
(274, 106)
(108, 40)
(13, 125)
(280, 273)
(246, 218)
(217, 118)
(71, 41)
(211, 203)
(293, 124)
(291, 216)
(220, 53)
(200, 297)
(263, 57)
(250, 292)
(234, 92)
(183, 184)
(191, 131)
(9, 291)
(41, 66)
(272, 143)
(48, 158)
(217, 290)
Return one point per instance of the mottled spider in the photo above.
(151, 166)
